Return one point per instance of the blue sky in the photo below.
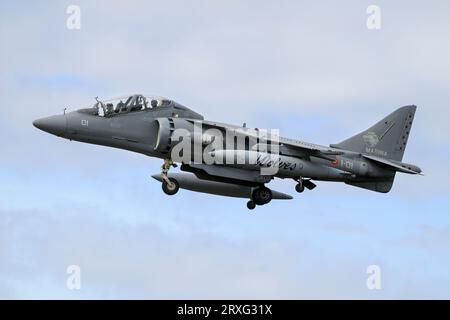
(312, 70)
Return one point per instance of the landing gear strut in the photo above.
(170, 186)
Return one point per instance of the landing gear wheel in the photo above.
(262, 196)
(251, 205)
(300, 188)
(170, 188)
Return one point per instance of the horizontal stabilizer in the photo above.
(396, 166)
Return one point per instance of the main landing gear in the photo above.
(251, 204)
(170, 186)
(303, 183)
(260, 196)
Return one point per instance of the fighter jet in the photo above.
(236, 161)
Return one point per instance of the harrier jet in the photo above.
(236, 161)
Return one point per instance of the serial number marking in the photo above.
(247, 309)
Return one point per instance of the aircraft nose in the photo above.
(56, 125)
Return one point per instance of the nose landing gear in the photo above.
(170, 186)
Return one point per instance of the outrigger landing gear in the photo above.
(260, 196)
(170, 186)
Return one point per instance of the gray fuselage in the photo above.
(140, 132)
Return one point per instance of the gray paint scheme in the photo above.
(367, 160)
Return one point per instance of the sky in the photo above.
(311, 69)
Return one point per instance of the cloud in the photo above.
(120, 260)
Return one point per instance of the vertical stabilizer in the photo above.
(387, 138)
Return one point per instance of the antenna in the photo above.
(64, 110)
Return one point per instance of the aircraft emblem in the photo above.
(371, 139)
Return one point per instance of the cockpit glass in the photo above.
(126, 104)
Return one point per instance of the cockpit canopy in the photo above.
(138, 102)
(126, 104)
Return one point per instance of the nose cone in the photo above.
(56, 125)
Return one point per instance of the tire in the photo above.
(251, 205)
(262, 196)
(170, 190)
(299, 188)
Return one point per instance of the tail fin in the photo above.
(387, 138)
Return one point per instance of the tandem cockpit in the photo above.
(138, 103)
(127, 104)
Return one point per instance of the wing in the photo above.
(287, 146)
